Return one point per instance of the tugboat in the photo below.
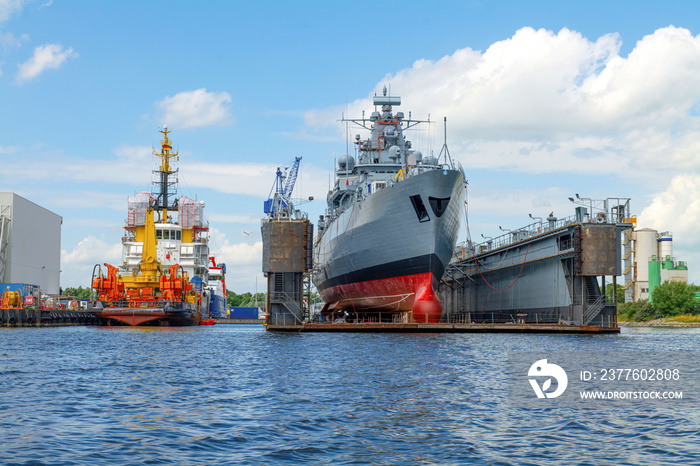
(153, 287)
(390, 226)
(217, 289)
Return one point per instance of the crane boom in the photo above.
(291, 178)
(279, 204)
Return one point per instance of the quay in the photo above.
(240, 321)
(47, 318)
(380, 327)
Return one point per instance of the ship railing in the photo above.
(130, 304)
(283, 296)
(465, 251)
(289, 301)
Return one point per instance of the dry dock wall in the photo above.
(551, 277)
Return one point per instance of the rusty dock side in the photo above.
(377, 327)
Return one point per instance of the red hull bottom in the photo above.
(147, 317)
(398, 294)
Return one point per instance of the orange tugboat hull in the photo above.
(143, 317)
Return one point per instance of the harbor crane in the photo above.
(287, 251)
(279, 203)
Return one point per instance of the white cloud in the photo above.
(7, 39)
(129, 166)
(192, 109)
(49, 56)
(78, 200)
(243, 261)
(126, 167)
(10, 7)
(230, 217)
(238, 253)
(77, 265)
(677, 209)
(252, 179)
(9, 149)
(544, 102)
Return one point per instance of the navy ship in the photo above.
(390, 226)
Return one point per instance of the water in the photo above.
(233, 394)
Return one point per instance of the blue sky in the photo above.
(543, 100)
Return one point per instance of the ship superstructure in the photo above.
(165, 262)
(391, 224)
(183, 240)
(217, 289)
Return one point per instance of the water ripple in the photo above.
(238, 395)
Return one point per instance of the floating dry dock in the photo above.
(547, 277)
(376, 327)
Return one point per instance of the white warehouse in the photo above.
(30, 244)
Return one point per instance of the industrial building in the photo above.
(30, 243)
(654, 263)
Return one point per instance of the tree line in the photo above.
(671, 299)
(246, 299)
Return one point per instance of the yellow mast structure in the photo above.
(165, 171)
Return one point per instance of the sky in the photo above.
(543, 100)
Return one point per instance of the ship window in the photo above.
(439, 205)
(159, 234)
(178, 235)
(418, 205)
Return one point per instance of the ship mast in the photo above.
(164, 186)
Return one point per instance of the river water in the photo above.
(235, 394)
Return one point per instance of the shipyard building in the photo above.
(30, 243)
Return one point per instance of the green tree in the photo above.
(80, 292)
(675, 298)
(609, 293)
(246, 299)
(638, 311)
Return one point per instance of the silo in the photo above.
(646, 249)
(654, 278)
(665, 247)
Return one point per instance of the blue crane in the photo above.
(279, 201)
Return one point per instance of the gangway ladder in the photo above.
(629, 255)
(593, 310)
(594, 302)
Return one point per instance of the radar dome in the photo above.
(346, 162)
(394, 152)
(430, 160)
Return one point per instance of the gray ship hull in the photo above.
(389, 250)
